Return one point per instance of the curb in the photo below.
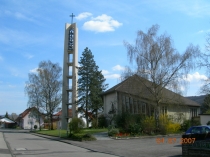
(142, 137)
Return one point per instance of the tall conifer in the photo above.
(90, 85)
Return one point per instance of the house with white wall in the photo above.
(29, 118)
(204, 118)
(133, 95)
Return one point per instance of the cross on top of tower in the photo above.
(72, 16)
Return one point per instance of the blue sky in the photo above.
(33, 31)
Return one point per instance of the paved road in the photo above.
(4, 151)
(147, 147)
(28, 145)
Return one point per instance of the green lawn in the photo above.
(63, 133)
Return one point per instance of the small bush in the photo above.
(208, 123)
(94, 123)
(164, 121)
(188, 123)
(195, 122)
(110, 127)
(135, 129)
(162, 129)
(166, 125)
(148, 125)
(128, 122)
(173, 127)
(102, 122)
(75, 137)
(88, 137)
(185, 125)
(113, 132)
(35, 126)
(76, 125)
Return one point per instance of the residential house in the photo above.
(57, 118)
(6, 123)
(204, 119)
(29, 118)
(133, 95)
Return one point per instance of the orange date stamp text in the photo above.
(175, 140)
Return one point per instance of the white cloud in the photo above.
(105, 72)
(29, 56)
(203, 31)
(103, 23)
(33, 70)
(19, 16)
(112, 76)
(118, 68)
(11, 86)
(194, 77)
(83, 15)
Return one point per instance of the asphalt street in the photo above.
(28, 145)
(4, 151)
(25, 144)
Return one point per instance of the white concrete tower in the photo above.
(70, 62)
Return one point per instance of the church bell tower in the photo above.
(70, 64)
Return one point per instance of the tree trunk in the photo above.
(39, 122)
(86, 115)
(157, 115)
(51, 121)
(96, 118)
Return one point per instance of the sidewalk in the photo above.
(4, 151)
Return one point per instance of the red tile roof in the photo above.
(60, 112)
(24, 113)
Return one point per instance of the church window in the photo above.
(131, 104)
(193, 112)
(71, 39)
(164, 110)
(144, 108)
(127, 103)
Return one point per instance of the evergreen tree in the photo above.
(6, 115)
(97, 86)
(205, 108)
(90, 85)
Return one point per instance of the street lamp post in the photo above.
(59, 123)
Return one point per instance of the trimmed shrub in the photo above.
(208, 123)
(102, 122)
(76, 125)
(135, 129)
(113, 132)
(35, 126)
(128, 122)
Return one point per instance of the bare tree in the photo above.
(126, 73)
(157, 60)
(44, 88)
(33, 90)
(205, 62)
